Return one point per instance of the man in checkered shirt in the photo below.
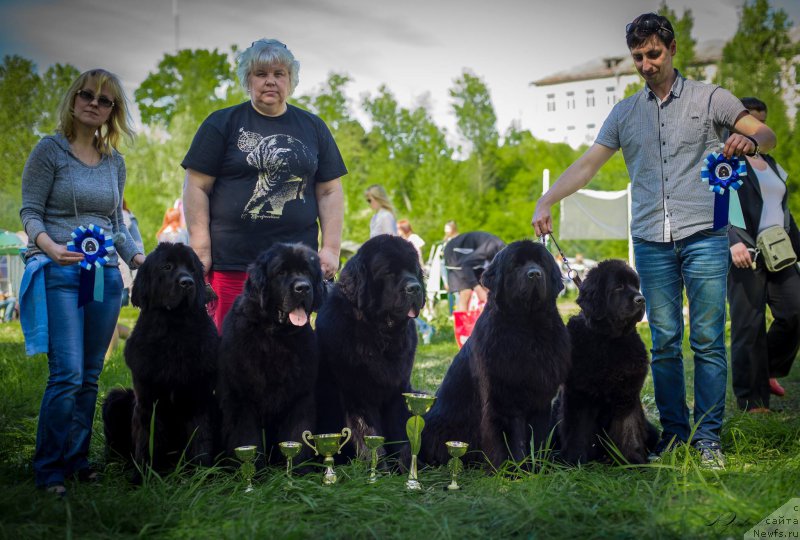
(665, 131)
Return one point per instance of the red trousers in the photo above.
(228, 285)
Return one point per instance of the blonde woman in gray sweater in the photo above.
(72, 287)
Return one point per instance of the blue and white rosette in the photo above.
(97, 250)
(724, 178)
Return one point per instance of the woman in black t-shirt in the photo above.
(262, 172)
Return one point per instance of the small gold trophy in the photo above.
(247, 455)
(289, 449)
(456, 449)
(373, 442)
(327, 445)
(418, 404)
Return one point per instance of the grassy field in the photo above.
(673, 499)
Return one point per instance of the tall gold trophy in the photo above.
(327, 444)
(289, 449)
(373, 442)
(247, 455)
(418, 404)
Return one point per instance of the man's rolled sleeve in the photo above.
(725, 107)
(609, 133)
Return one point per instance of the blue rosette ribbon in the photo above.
(97, 250)
(724, 178)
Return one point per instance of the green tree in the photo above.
(754, 60)
(330, 103)
(758, 62)
(477, 124)
(406, 138)
(198, 81)
(685, 57)
(28, 104)
(475, 115)
(54, 83)
(789, 150)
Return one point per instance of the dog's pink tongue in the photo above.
(412, 313)
(298, 317)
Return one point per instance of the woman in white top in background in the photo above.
(383, 221)
(404, 229)
(759, 356)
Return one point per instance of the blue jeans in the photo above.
(425, 329)
(79, 338)
(700, 263)
(7, 307)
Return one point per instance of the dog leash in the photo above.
(571, 272)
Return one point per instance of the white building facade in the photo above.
(570, 106)
(573, 111)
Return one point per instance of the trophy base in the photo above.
(329, 479)
(413, 485)
(453, 486)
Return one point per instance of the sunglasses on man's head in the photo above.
(648, 25)
(88, 97)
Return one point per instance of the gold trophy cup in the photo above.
(289, 449)
(247, 455)
(327, 444)
(418, 404)
(373, 442)
(456, 449)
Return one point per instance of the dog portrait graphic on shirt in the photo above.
(276, 157)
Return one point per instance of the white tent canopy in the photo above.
(595, 215)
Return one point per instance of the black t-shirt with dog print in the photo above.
(266, 169)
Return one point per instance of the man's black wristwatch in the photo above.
(755, 143)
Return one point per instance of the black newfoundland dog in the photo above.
(172, 355)
(600, 401)
(268, 356)
(497, 393)
(367, 341)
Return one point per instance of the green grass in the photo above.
(672, 499)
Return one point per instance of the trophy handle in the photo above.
(347, 433)
(305, 436)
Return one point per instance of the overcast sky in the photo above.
(416, 47)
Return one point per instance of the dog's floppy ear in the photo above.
(320, 290)
(353, 281)
(142, 285)
(422, 276)
(556, 282)
(199, 279)
(492, 277)
(592, 297)
(423, 280)
(257, 284)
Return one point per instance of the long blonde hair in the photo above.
(119, 121)
(376, 192)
